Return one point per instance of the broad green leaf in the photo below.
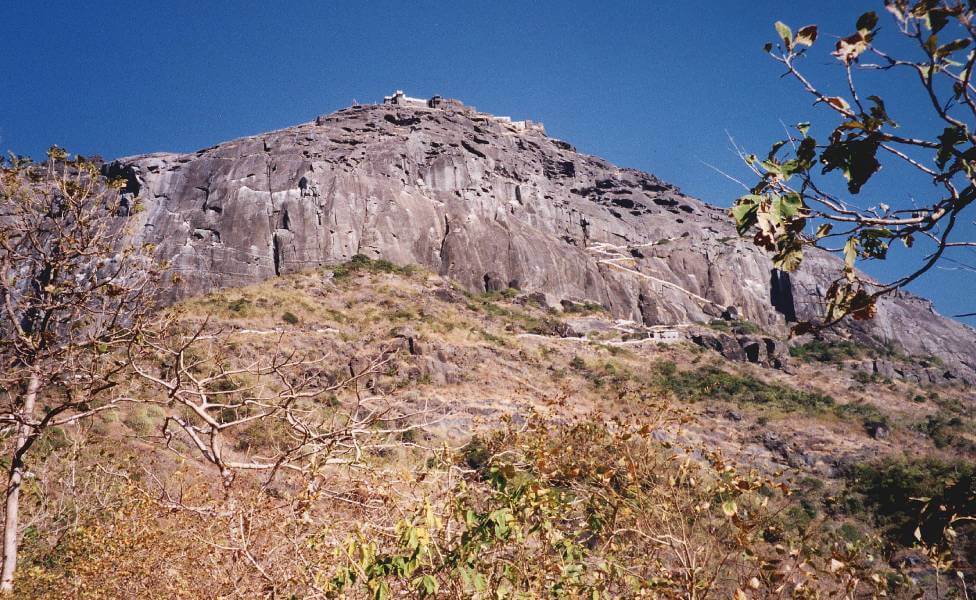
(879, 112)
(873, 244)
(806, 153)
(788, 205)
(771, 167)
(480, 583)
(935, 18)
(426, 585)
(789, 258)
(744, 212)
(775, 148)
(729, 508)
(790, 168)
(877, 232)
(855, 158)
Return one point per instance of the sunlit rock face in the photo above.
(489, 203)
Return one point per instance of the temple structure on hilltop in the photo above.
(399, 98)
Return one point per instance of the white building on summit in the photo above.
(400, 99)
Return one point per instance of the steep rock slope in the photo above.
(489, 203)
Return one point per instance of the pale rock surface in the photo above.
(490, 205)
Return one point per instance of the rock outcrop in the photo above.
(491, 204)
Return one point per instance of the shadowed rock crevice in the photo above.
(781, 294)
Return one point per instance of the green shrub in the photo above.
(946, 429)
(263, 434)
(476, 454)
(863, 412)
(738, 326)
(951, 405)
(719, 325)
(832, 352)
(290, 318)
(585, 307)
(894, 491)
(748, 327)
(241, 306)
(363, 264)
(712, 383)
(53, 440)
(492, 338)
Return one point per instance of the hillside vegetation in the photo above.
(505, 457)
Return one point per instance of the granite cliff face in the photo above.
(491, 204)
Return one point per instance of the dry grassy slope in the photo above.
(474, 359)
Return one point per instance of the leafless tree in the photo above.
(73, 296)
(211, 394)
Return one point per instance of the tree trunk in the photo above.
(11, 517)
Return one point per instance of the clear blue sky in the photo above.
(651, 85)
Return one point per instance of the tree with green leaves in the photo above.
(794, 205)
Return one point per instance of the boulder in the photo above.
(884, 368)
(754, 349)
(788, 452)
(879, 430)
(495, 283)
(724, 344)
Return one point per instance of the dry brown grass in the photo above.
(87, 541)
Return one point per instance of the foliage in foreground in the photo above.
(583, 510)
(916, 499)
(794, 205)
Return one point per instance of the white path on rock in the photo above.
(635, 342)
(614, 256)
(281, 331)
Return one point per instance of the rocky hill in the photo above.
(492, 204)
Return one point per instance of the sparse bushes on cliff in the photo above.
(827, 352)
(713, 383)
(363, 264)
